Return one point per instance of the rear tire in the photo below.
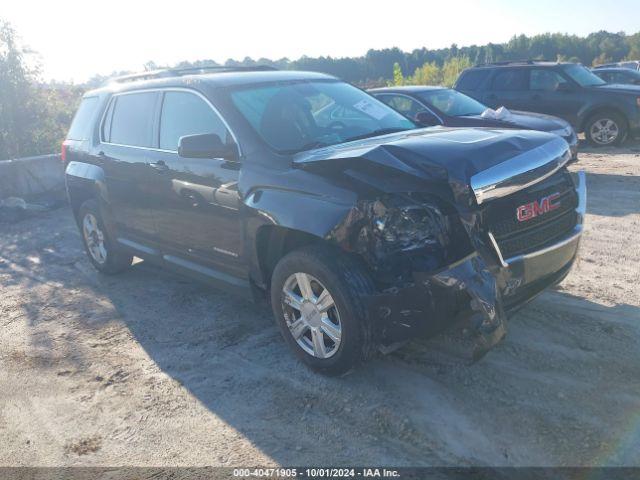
(328, 330)
(605, 129)
(102, 251)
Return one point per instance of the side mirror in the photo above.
(426, 119)
(206, 145)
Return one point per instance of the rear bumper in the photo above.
(476, 291)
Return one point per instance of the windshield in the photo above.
(452, 103)
(298, 116)
(583, 76)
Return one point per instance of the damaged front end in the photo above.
(447, 261)
(428, 271)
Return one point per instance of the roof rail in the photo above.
(507, 62)
(178, 72)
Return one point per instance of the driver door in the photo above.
(197, 199)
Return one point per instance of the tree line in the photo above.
(35, 115)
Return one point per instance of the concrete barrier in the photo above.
(31, 177)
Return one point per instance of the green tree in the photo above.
(452, 68)
(427, 74)
(34, 117)
(398, 77)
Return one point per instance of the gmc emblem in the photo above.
(536, 208)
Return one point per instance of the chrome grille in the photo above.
(515, 237)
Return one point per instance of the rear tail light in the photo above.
(638, 101)
(63, 154)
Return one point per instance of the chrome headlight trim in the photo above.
(563, 132)
(521, 171)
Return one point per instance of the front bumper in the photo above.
(572, 140)
(476, 291)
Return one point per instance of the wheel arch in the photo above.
(280, 221)
(84, 181)
(601, 109)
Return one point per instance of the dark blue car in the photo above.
(430, 106)
(606, 113)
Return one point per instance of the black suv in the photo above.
(360, 229)
(605, 113)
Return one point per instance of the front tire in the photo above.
(101, 249)
(316, 296)
(605, 129)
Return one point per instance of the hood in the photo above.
(528, 120)
(618, 88)
(437, 154)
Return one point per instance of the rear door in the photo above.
(508, 88)
(195, 200)
(127, 133)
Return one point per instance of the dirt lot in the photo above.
(150, 369)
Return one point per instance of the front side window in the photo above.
(185, 113)
(453, 103)
(131, 120)
(509, 80)
(296, 116)
(545, 79)
(583, 76)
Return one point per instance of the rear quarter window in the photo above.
(83, 120)
(472, 79)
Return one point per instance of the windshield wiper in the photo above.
(375, 133)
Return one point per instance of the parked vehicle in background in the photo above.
(618, 75)
(297, 187)
(429, 106)
(606, 113)
(630, 65)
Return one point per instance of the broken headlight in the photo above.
(402, 228)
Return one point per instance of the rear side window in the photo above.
(472, 79)
(131, 120)
(81, 125)
(510, 80)
(185, 113)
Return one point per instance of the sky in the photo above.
(78, 39)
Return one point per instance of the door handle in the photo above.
(536, 97)
(159, 166)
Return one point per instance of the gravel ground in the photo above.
(150, 369)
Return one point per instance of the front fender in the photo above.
(310, 214)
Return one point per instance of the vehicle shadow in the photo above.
(629, 146)
(566, 361)
(612, 195)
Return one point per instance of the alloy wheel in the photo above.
(604, 131)
(94, 238)
(311, 315)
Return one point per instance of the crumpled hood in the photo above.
(450, 155)
(534, 121)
